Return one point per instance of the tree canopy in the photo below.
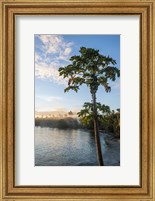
(90, 68)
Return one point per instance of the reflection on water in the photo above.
(56, 147)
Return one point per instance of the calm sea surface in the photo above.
(56, 147)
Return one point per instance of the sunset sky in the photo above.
(54, 51)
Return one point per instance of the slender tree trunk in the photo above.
(96, 131)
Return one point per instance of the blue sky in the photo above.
(54, 51)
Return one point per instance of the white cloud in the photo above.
(67, 51)
(51, 42)
(53, 53)
(49, 72)
(53, 98)
(55, 44)
(37, 58)
(50, 98)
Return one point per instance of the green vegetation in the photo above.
(67, 123)
(87, 114)
(92, 69)
(112, 123)
(109, 121)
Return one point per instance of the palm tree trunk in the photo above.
(96, 132)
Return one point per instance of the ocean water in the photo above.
(69, 147)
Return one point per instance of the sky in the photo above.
(54, 51)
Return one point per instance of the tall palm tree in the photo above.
(93, 69)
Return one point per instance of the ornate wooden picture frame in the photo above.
(145, 9)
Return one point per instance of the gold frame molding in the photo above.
(145, 9)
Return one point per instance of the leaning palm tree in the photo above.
(93, 69)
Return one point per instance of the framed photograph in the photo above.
(77, 100)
